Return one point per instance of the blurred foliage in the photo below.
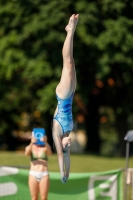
(107, 130)
(31, 39)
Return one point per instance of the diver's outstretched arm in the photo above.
(67, 163)
(58, 145)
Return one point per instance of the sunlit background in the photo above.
(31, 38)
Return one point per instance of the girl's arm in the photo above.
(28, 149)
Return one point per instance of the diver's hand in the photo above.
(66, 142)
(64, 179)
(67, 176)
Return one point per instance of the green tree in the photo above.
(28, 77)
(32, 35)
(107, 29)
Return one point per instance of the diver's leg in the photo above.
(67, 83)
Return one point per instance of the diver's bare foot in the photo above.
(72, 23)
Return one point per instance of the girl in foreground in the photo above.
(38, 175)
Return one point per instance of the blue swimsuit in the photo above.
(64, 114)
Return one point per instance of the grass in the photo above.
(79, 163)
